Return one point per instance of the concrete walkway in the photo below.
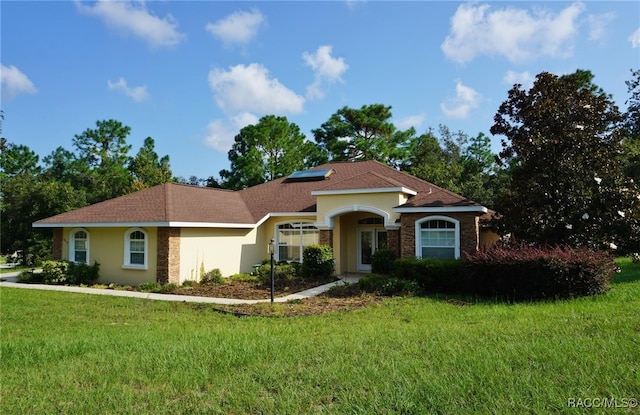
(10, 280)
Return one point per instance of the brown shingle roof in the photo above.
(173, 202)
(169, 202)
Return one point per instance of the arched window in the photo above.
(438, 237)
(135, 248)
(79, 246)
(292, 237)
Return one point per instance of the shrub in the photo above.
(83, 273)
(317, 262)
(150, 287)
(430, 274)
(382, 261)
(30, 277)
(168, 287)
(284, 274)
(55, 272)
(530, 273)
(243, 277)
(63, 272)
(388, 286)
(212, 277)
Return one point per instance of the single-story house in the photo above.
(171, 232)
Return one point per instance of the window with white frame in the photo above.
(79, 246)
(135, 248)
(292, 238)
(438, 237)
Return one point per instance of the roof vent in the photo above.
(309, 175)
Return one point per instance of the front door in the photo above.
(369, 241)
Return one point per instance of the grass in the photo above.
(77, 354)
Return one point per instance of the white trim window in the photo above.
(292, 238)
(79, 246)
(438, 237)
(136, 248)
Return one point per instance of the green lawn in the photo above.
(80, 354)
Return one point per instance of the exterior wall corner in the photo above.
(168, 255)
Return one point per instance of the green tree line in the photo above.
(567, 172)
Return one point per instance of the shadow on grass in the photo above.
(629, 271)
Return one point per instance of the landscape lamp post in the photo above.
(272, 247)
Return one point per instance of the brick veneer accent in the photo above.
(469, 232)
(393, 241)
(168, 261)
(56, 246)
(326, 237)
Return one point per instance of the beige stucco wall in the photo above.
(230, 250)
(360, 201)
(106, 246)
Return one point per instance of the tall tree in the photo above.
(436, 160)
(270, 149)
(105, 150)
(364, 134)
(563, 148)
(631, 142)
(456, 162)
(147, 168)
(17, 159)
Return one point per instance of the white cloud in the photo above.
(135, 19)
(14, 82)
(466, 100)
(414, 121)
(251, 89)
(221, 134)
(523, 78)
(513, 33)
(138, 93)
(634, 38)
(326, 68)
(598, 25)
(239, 27)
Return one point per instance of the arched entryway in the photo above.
(357, 233)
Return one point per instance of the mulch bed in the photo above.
(342, 298)
(246, 290)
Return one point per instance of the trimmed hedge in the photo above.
(382, 261)
(538, 273)
(521, 273)
(430, 274)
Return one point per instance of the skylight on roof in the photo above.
(309, 175)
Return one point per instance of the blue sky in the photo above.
(191, 74)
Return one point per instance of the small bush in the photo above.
(382, 261)
(55, 272)
(30, 277)
(63, 272)
(212, 277)
(388, 286)
(83, 273)
(150, 287)
(284, 274)
(243, 277)
(168, 287)
(317, 262)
